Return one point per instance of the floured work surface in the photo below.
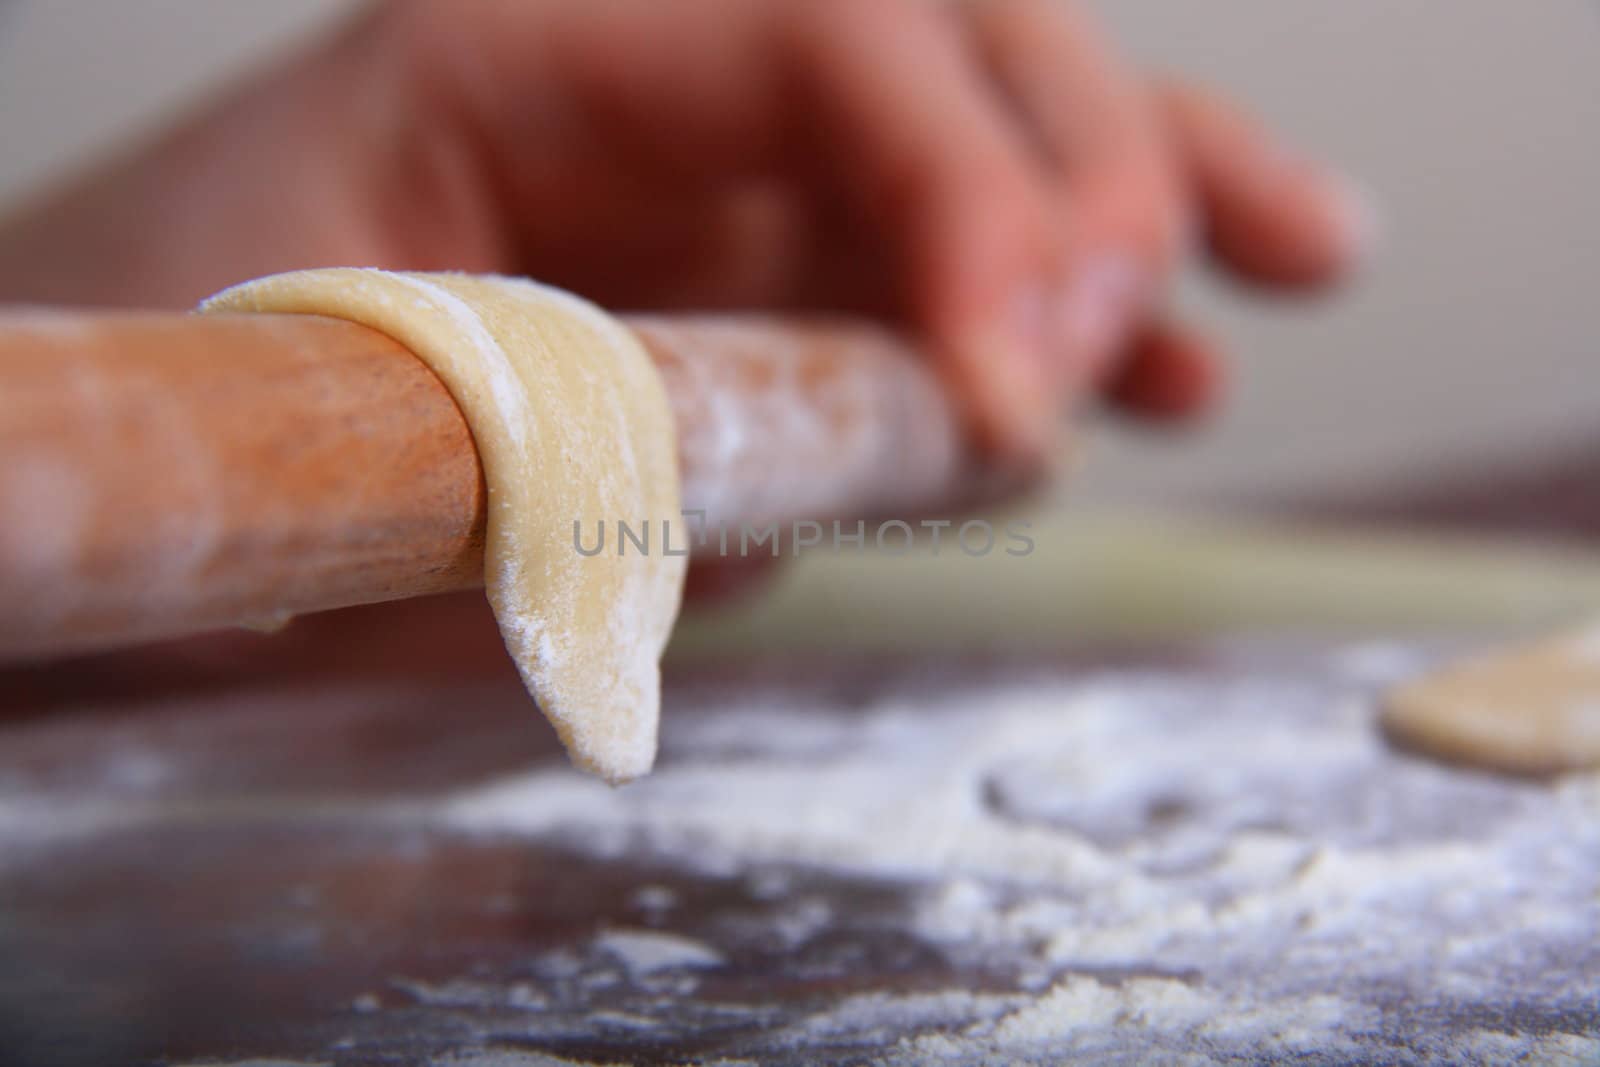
(1209, 849)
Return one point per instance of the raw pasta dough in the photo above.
(572, 424)
(1532, 710)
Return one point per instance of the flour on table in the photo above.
(644, 952)
(572, 425)
(1029, 864)
(1235, 871)
(510, 1058)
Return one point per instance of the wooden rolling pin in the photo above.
(164, 474)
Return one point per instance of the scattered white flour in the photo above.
(654, 898)
(1378, 662)
(644, 952)
(1235, 868)
(1216, 865)
(468, 993)
(509, 1058)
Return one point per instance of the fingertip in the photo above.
(1308, 232)
(1358, 218)
(1311, 229)
(1271, 217)
(1106, 293)
(1010, 405)
(993, 333)
(1173, 375)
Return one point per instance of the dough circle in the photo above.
(571, 423)
(1533, 709)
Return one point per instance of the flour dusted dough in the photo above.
(1533, 709)
(571, 423)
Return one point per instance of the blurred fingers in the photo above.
(1088, 117)
(1270, 217)
(905, 122)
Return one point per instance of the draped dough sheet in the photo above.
(571, 423)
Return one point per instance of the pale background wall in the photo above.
(1476, 123)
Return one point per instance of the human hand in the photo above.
(989, 173)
